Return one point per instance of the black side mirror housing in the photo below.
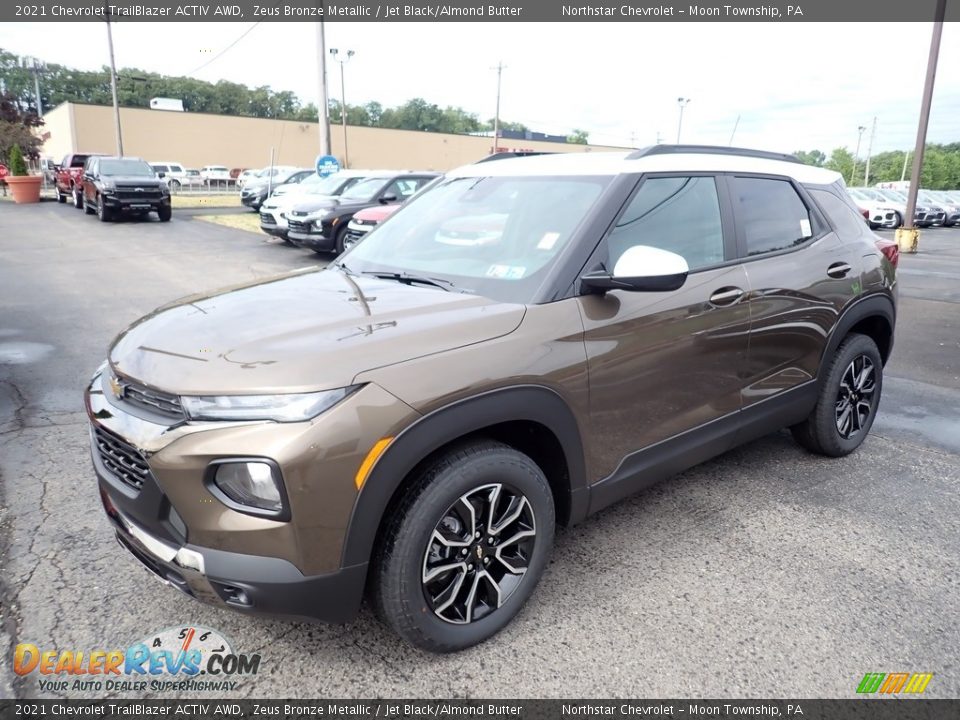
(387, 199)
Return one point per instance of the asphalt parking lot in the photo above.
(767, 572)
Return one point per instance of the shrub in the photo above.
(18, 165)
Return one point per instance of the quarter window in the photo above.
(771, 214)
(680, 214)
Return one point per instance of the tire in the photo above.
(164, 213)
(77, 199)
(834, 428)
(341, 235)
(481, 473)
(897, 220)
(104, 213)
(174, 186)
(61, 198)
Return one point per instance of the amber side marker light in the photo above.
(368, 462)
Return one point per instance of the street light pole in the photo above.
(682, 102)
(866, 172)
(908, 237)
(343, 99)
(113, 86)
(322, 118)
(856, 156)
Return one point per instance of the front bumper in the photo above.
(253, 201)
(308, 235)
(271, 224)
(152, 486)
(248, 583)
(133, 204)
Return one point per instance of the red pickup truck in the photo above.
(68, 176)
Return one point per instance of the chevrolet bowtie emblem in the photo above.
(115, 387)
(479, 553)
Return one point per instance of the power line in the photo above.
(215, 57)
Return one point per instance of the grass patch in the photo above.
(249, 222)
(205, 201)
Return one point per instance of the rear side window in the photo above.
(161, 168)
(847, 221)
(771, 214)
(679, 214)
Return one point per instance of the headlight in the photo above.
(107, 187)
(319, 215)
(281, 408)
(250, 485)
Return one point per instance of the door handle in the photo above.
(838, 270)
(726, 296)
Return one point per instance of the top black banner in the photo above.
(859, 11)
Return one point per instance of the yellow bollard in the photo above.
(908, 239)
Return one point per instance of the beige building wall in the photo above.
(197, 139)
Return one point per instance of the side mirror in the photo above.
(387, 199)
(640, 269)
(161, 175)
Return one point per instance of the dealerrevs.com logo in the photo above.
(186, 658)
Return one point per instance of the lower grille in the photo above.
(299, 226)
(122, 459)
(267, 218)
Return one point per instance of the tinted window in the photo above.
(160, 168)
(772, 215)
(680, 214)
(125, 167)
(78, 160)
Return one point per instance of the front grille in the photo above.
(354, 236)
(151, 399)
(267, 218)
(299, 226)
(141, 195)
(122, 459)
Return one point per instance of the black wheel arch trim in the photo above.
(533, 403)
(875, 305)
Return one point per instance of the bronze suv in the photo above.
(521, 345)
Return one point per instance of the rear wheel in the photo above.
(61, 198)
(77, 198)
(848, 401)
(466, 548)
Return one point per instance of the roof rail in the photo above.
(710, 150)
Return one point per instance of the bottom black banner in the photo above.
(874, 709)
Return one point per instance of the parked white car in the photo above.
(922, 216)
(881, 213)
(244, 177)
(215, 174)
(175, 174)
(273, 211)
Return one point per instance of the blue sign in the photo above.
(327, 165)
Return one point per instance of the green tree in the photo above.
(18, 129)
(18, 166)
(813, 157)
(841, 160)
(578, 137)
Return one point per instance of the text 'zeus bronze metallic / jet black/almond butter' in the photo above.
(521, 345)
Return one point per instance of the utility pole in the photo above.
(682, 102)
(909, 237)
(343, 99)
(856, 156)
(496, 116)
(866, 172)
(35, 67)
(113, 84)
(322, 118)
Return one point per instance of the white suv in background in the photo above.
(881, 213)
(215, 175)
(175, 174)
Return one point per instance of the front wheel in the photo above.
(466, 548)
(77, 199)
(848, 400)
(61, 198)
(164, 213)
(897, 220)
(341, 239)
(104, 213)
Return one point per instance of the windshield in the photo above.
(365, 190)
(316, 185)
(893, 195)
(494, 236)
(125, 167)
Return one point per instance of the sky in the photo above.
(793, 86)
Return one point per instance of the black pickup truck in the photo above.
(113, 185)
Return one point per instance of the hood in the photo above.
(313, 330)
(376, 214)
(303, 206)
(291, 200)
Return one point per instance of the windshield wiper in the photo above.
(409, 279)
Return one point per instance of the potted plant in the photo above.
(25, 188)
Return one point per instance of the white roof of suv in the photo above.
(659, 158)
